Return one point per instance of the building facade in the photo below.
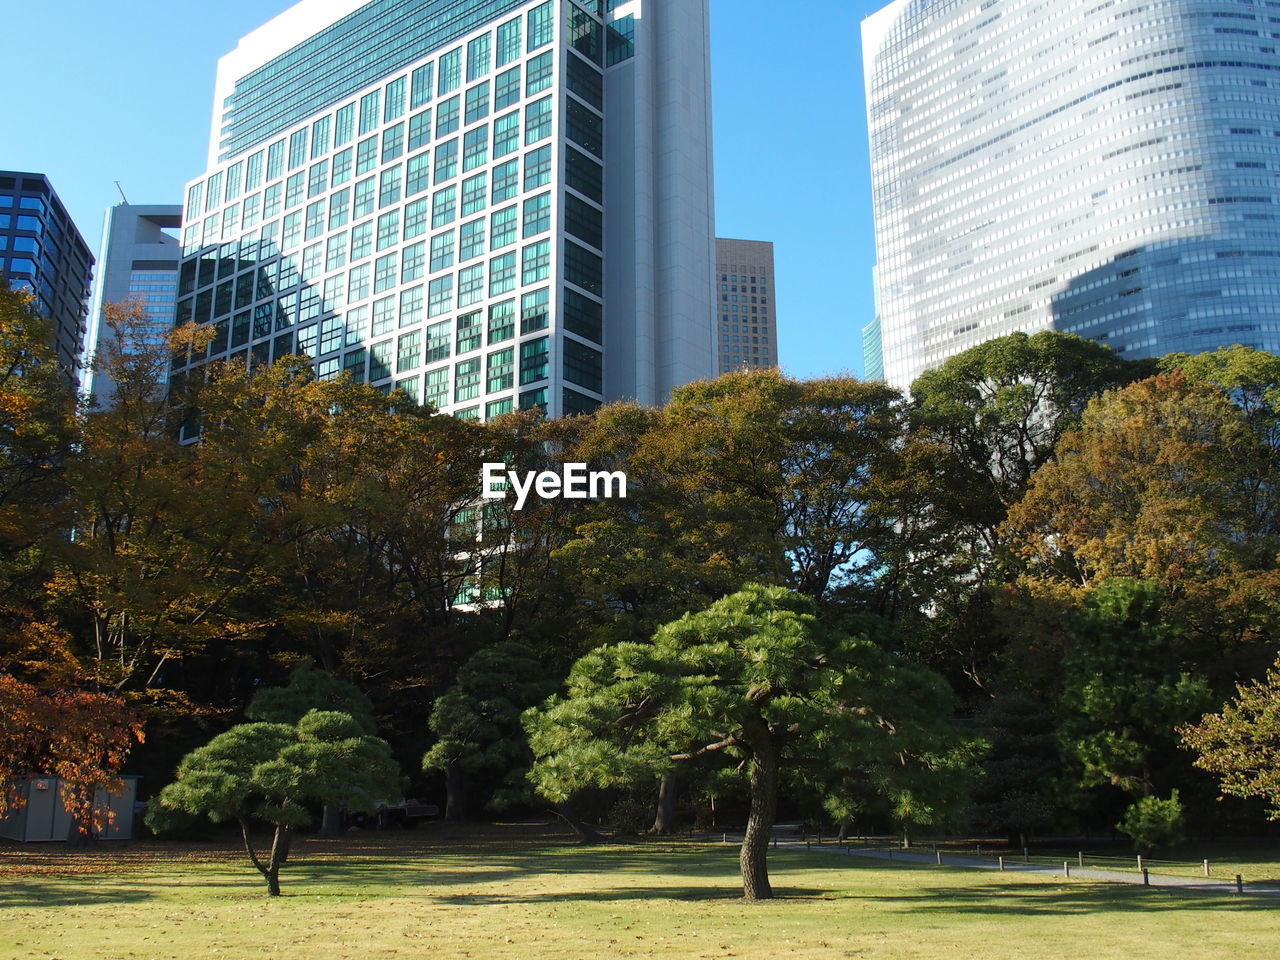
(1106, 168)
(42, 251)
(492, 205)
(137, 264)
(746, 304)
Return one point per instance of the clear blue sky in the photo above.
(123, 91)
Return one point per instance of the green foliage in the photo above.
(1241, 745)
(311, 689)
(1153, 823)
(1126, 687)
(478, 720)
(630, 817)
(758, 683)
(1019, 792)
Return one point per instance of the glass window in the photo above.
(446, 161)
(252, 174)
(436, 387)
(506, 134)
(506, 89)
(475, 148)
(339, 208)
(370, 111)
(362, 240)
(420, 129)
(537, 121)
(411, 306)
(475, 193)
(419, 177)
(444, 206)
(298, 148)
(537, 215)
(409, 352)
(336, 252)
(439, 341)
(470, 332)
(380, 360)
(294, 189)
(506, 181)
(502, 322)
(534, 360)
(440, 296)
(315, 223)
(479, 57)
(503, 227)
(537, 168)
(366, 155)
(542, 25)
(318, 178)
(342, 167)
(422, 85)
(470, 285)
(502, 370)
(538, 74)
(582, 365)
(536, 263)
(502, 274)
(275, 159)
(534, 310)
(384, 316)
(413, 262)
(477, 105)
(344, 125)
(450, 72)
(471, 240)
(394, 104)
(509, 41)
(447, 117)
(389, 186)
(320, 137)
(415, 219)
(466, 380)
(441, 251)
(364, 197)
(358, 279)
(585, 127)
(388, 229)
(392, 142)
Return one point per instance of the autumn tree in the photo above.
(274, 773)
(754, 681)
(81, 738)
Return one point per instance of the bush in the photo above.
(1153, 823)
(630, 817)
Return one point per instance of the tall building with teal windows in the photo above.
(490, 204)
(1109, 168)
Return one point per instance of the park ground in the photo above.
(531, 893)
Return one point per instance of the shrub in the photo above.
(1153, 823)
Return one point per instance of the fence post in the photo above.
(1066, 868)
(726, 838)
(1002, 864)
(1080, 858)
(1139, 861)
(1025, 857)
(1146, 877)
(977, 849)
(1206, 868)
(1239, 884)
(937, 853)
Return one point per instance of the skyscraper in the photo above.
(42, 251)
(492, 204)
(138, 263)
(1107, 169)
(746, 303)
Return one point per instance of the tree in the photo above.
(311, 689)
(478, 721)
(273, 772)
(81, 738)
(1126, 687)
(1241, 745)
(754, 681)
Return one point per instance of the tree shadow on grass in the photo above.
(1049, 899)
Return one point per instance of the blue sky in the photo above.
(123, 90)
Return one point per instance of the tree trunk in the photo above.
(330, 822)
(664, 820)
(585, 833)
(764, 806)
(279, 850)
(455, 792)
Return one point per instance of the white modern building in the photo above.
(137, 266)
(1100, 167)
(746, 302)
(492, 205)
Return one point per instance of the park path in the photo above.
(1075, 873)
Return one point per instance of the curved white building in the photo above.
(1107, 169)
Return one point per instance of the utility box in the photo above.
(44, 817)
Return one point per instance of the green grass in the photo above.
(514, 894)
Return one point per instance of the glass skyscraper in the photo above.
(490, 204)
(42, 251)
(1107, 169)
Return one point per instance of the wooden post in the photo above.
(1080, 858)
(890, 853)
(1139, 861)
(726, 838)
(1146, 877)
(1025, 857)
(937, 853)
(1239, 884)
(1066, 868)
(1002, 864)
(1206, 868)
(977, 849)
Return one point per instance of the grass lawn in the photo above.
(526, 894)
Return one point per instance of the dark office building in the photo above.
(42, 251)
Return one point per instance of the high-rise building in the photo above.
(1105, 167)
(42, 251)
(138, 264)
(746, 304)
(493, 204)
(872, 357)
